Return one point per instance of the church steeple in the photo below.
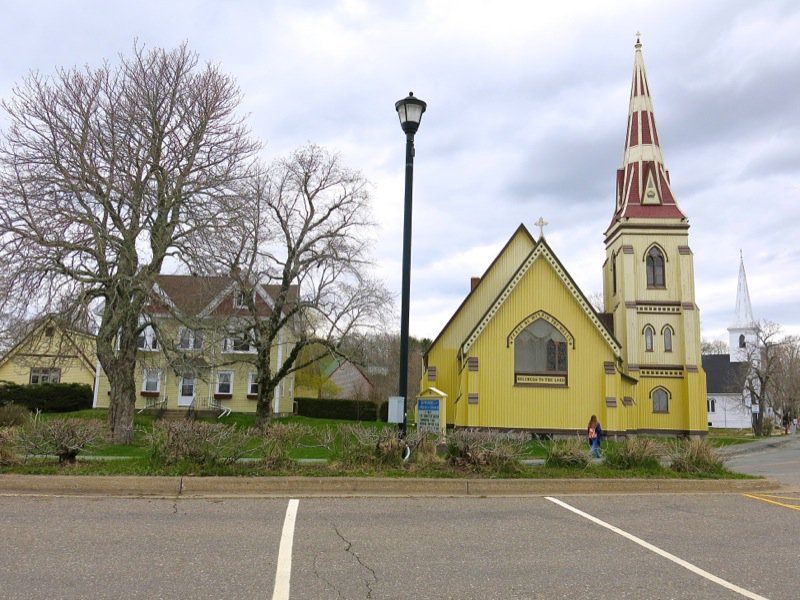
(643, 187)
(743, 333)
(744, 311)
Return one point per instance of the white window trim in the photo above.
(195, 341)
(145, 378)
(252, 381)
(44, 370)
(150, 340)
(228, 347)
(230, 383)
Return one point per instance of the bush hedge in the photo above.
(351, 410)
(47, 397)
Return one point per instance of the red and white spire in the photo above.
(643, 189)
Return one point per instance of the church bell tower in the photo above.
(648, 277)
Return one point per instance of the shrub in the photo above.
(47, 397)
(351, 410)
(571, 452)
(197, 443)
(634, 453)
(279, 439)
(63, 437)
(695, 455)
(12, 415)
(7, 454)
(494, 449)
(370, 446)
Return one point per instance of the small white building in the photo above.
(729, 405)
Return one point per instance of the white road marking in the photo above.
(284, 572)
(679, 561)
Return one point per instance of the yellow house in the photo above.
(526, 349)
(51, 353)
(195, 351)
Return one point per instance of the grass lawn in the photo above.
(329, 440)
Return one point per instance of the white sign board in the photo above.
(428, 415)
(397, 409)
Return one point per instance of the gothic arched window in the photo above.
(614, 273)
(667, 333)
(655, 268)
(540, 348)
(742, 343)
(660, 400)
(648, 339)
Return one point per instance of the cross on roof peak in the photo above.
(541, 224)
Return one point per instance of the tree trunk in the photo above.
(122, 404)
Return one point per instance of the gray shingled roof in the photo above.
(724, 376)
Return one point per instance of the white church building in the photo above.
(729, 405)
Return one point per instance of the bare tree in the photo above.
(300, 228)
(772, 382)
(713, 347)
(104, 172)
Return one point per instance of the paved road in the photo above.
(777, 458)
(653, 546)
(393, 548)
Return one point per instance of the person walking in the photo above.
(593, 433)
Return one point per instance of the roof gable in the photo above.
(541, 252)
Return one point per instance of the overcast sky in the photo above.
(527, 107)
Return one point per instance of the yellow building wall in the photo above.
(72, 353)
(206, 377)
(501, 403)
(442, 352)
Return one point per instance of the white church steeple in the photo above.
(743, 330)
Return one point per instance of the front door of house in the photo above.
(186, 389)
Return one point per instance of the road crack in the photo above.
(368, 581)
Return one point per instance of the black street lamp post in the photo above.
(410, 110)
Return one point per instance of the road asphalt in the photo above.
(306, 487)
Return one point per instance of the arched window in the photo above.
(540, 348)
(648, 339)
(660, 400)
(655, 268)
(742, 343)
(667, 333)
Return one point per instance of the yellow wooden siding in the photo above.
(445, 348)
(72, 353)
(502, 404)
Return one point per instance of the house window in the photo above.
(239, 343)
(540, 349)
(648, 339)
(152, 380)
(45, 375)
(49, 332)
(667, 332)
(742, 343)
(190, 340)
(655, 268)
(146, 340)
(660, 400)
(252, 384)
(240, 299)
(712, 405)
(225, 382)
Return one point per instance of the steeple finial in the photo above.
(638, 40)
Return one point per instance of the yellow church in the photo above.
(526, 349)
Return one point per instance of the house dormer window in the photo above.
(240, 299)
(147, 340)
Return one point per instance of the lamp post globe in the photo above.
(410, 110)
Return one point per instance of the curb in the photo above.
(343, 487)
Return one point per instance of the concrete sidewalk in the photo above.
(305, 487)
